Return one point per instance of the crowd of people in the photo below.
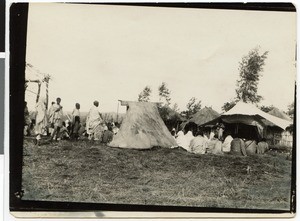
(51, 123)
(218, 141)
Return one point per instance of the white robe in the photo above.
(93, 120)
(182, 141)
(227, 144)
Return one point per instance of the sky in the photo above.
(110, 53)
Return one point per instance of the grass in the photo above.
(84, 171)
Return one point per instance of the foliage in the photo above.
(250, 70)
(267, 108)
(228, 105)
(144, 96)
(164, 94)
(175, 107)
(291, 111)
(192, 107)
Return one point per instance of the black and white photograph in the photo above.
(146, 105)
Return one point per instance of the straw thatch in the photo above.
(142, 128)
(204, 115)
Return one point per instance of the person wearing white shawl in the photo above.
(182, 141)
(93, 120)
(198, 145)
(189, 137)
(41, 119)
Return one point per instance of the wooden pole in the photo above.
(47, 95)
(38, 93)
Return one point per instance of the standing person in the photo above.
(93, 120)
(27, 120)
(57, 118)
(41, 119)
(50, 117)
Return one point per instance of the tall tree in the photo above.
(164, 94)
(228, 105)
(250, 70)
(175, 107)
(290, 111)
(144, 96)
(192, 107)
(267, 108)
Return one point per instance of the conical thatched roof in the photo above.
(278, 113)
(204, 115)
(142, 128)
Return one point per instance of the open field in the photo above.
(85, 171)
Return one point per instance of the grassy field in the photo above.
(84, 171)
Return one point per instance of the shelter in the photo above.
(202, 117)
(243, 115)
(142, 128)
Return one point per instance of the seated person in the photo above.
(262, 146)
(198, 144)
(251, 147)
(214, 146)
(107, 135)
(182, 141)
(227, 142)
(63, 132)
(238, 147)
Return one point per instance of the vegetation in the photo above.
(164, 94)
(192, 107)
(144, 96)
(250, 70)
(84, 171)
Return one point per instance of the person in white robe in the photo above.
(41, 119)
(93, 120)
(57, 119)
(189, 137)
(182, 141)
(227, 143)
(198, 145)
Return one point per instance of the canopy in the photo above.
(247, 109)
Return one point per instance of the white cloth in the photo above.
(93, 120)
(189, 137)
(198, 145)
(211, 135)
(41, 117)
(182, 141)
(227, 144)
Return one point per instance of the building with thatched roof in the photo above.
(202, 117)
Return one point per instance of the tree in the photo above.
(175, 107)
(267, 108)
(144, 96)
(290, 111)
(250, 70)
(192, 107)
(228, 105)
(164, 94)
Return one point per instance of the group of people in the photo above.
(213, 142)
(52, 123)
